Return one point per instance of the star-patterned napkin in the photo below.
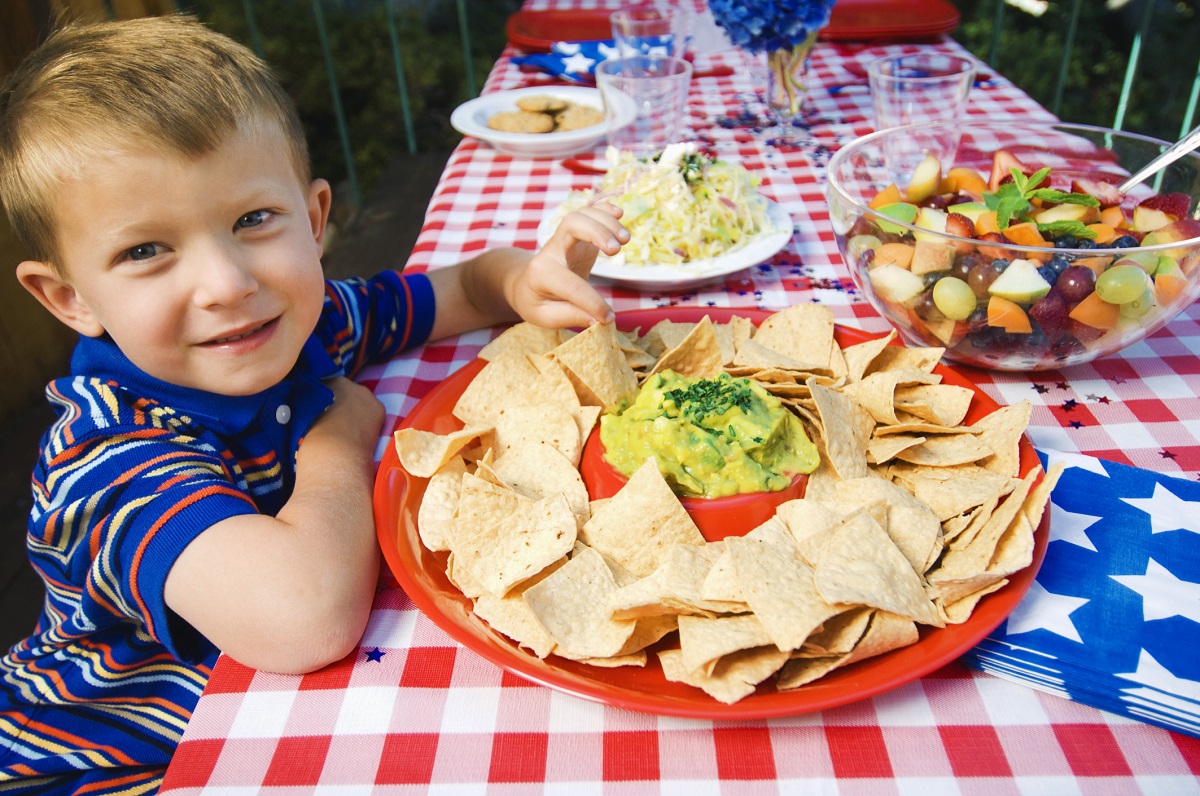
(575, 60)
(1113, 618)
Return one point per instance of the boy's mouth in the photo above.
(233, 338)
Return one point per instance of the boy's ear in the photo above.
(58, 296)
(320, 197)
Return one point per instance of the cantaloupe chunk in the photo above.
(1115, 217)
(887, 196)
(986, 223)
(1168, 286)
(1104, 232)
(1096, 312)
(1008, 315)
(1025, 234)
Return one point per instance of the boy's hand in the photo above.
(552, 290)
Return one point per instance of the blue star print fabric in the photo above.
(575, 60)
(1113, 618)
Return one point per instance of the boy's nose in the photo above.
(224, 280)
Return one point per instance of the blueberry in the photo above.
(1085, 243)
(1048, 273)
(1059, 263)
(1124, 242)
(1066, 241)
(999, 264)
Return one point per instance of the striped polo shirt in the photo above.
(133, 469)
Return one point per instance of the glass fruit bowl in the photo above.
(1015, 250)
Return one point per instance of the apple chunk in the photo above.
(1020, 283)
(925, 180)
(896, 284)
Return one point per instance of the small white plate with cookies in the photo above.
(536, 122)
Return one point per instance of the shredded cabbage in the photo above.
(681, 206)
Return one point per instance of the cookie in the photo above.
(577, 117)
(521, 122)
(542, 103)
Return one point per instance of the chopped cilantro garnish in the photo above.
(708, 397)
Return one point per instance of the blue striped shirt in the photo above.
(130, 473)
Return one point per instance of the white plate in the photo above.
(471, 118)
(696, 273)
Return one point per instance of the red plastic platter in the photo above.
(890, 20)
(422, 574)
(535, 31)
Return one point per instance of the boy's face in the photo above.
(205, 272)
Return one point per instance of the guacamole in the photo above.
(711, 437)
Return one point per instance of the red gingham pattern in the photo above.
(423, 714)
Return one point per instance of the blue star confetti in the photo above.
(374, 655)
(1113, 618)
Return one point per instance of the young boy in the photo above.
(207, 483)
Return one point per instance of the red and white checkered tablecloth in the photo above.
(412, 711)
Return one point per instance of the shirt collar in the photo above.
(99, 357)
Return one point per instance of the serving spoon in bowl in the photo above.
(1169, 156)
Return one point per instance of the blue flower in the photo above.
(768, 25)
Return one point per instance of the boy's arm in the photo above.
(548, 288)
(292, 593)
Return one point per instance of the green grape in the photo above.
(1121, 284)
(1140, 305)
(954, 298)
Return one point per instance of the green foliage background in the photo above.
(1028, 53)
(434, 68)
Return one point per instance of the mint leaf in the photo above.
(1062, 197)
(1057, 228)
(1035, 180)
(1008, 208)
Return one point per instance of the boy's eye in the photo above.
(143, 251)
(252, 219)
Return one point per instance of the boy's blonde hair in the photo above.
(165, 84)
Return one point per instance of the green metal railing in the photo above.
(1131, 68)
(331, 74)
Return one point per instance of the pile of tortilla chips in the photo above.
(911, 518)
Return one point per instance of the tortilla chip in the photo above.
(736, 676)
(945, 404)
(859, 356)
(1002, 431)
(550, 424)
(491, 393)
(845, 429)
(946, 450)
(639, 524)
(435, 516)
(803, 332)
(596, 367)
(703, 641)
(895, 356)
(504, 550)
(570, 604)
(780, 590)
(861, 565)
(422, 453)
(522, 338)
(698, 355)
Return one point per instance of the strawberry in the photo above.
(963, 227)
(1173, 204)
(1003, 162)
(995, 252)
(1107, 193)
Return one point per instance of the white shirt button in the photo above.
(283, 414)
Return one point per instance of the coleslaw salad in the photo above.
(680, 207)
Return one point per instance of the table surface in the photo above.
(411, 710)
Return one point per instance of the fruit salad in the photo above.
(1017, 270)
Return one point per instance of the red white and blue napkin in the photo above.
(1113, 618)
(576, 60)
